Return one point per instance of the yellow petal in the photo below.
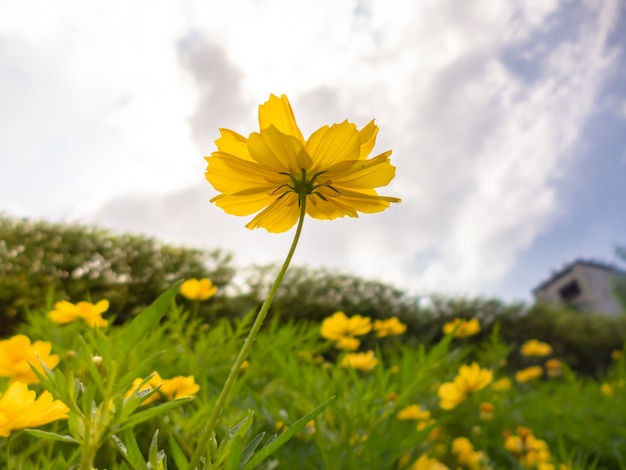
(277, 112)
(330, 145)
(278, 151)
(367, 136)
(279, 216)
(232, 143)
(230, 175)
(362, 174)
(243, 204)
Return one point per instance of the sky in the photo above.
(507, 122)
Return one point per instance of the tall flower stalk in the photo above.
(281, 177)
(245, 349)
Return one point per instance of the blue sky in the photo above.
(506, 120)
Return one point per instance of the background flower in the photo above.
(343, 329)
(17, 354)
(19, 409)
(66, 312)
(469, 380)
(530, 373)
(534, 347)
(465, 327)
(361, 361)
(389, 327)
(194, 289)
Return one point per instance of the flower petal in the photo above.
(367, 136)
(280, 152)
(233, 143)
(277, 112)
(230, 175)
(243, 204)
(279, 216)
(361, 174)
(330, 145)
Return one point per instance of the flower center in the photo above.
(303, 185)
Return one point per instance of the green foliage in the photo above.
(42, 262)
(313, 294)
(584, 341)
(285, 388)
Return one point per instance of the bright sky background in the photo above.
(506, 119)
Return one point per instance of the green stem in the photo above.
(245, 349)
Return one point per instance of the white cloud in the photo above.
(478, 140)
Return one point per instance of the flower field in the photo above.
(174, 387)
(137, 395)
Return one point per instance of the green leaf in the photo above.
(144, 415)
(144, 322)
(51, 436)
(130, 450)
(233, 439)
(153, 452)
(234, 455)
(281, 440)
(247, 452)
(180, 459)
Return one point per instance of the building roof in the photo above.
(568, 268)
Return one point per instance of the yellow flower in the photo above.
(171, 389)
(530, 451)
(501, 385)
(413, 412)
(466, 455)
(530, 373)
(66, 312)
(554, 367)
(17, 353)
(465, 327)
(342, 329)
(426, 463)
(616, 354)
(348, 343)
(276, 169)
(469, 380)
(389, 327)
(360, 361)
(195, 289)
(607, 389)
(533, 347)
(20, 408)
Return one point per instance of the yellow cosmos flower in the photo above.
(465, 327)
(198, 289)
(17, 353)
(276, 169)
(360, 361)
(530, 373)
(501, 385)
(554, 367)
(466, 455)
(171, 389)
(343, 329)
(470, 379)
(389, 327)
(348, 343)
(20, 408)
(66, 312)
(486, 410)
(426, 463)
(413, 412)
(607, 389)
(530, 451)
(533, 347)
